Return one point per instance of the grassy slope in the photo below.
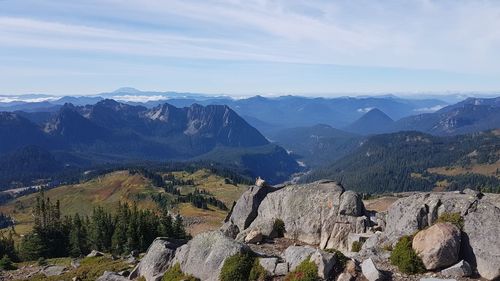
(210, 219)
(108, 190)
(482, 169)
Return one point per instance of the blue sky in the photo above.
(249, 47)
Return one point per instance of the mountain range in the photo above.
(270, 137)
(111, 132)
(264, 113)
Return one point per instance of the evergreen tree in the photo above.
(77, 238)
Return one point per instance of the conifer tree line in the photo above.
(199, 198)
(54, 235)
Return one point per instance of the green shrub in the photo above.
(356, 246)
(279, 227)
(404, 257)
(6, 263)
(257, 273)
(305, 271)
(453, 218)
(237, 267)
(175, 274)
(341, 259)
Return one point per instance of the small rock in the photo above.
(260, 182)
(95, 253)
(76, 278)
(370, 271)
(53, 270)
(350, 267)
(269, 264)
(75, 263)
(294, 255)
(344, 276)
(281, 269)
(130, 259)
(436, 279)
(325, 263)
(461, 269)
(472, 192)
(230, 230)
(111, 276)
(438, 245)
(124, 273)
(253, 237)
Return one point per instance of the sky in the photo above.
(233, 47)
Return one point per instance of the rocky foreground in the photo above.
(283, 226)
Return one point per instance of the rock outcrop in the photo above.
(245, 209)
(480, 247)
(411, 214)
(481, 235)
(204, 255)
(320, 213)
(438, 246)
(157, 259)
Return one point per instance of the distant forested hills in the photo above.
(401, 162)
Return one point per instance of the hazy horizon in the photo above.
(144, 95)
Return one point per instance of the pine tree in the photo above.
(178, 228)
(77, 238)
(166, 227)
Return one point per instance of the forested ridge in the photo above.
(398, 162)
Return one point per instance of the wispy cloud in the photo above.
(450, 36)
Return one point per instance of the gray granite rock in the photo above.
(157, 259)
(370, 271)
(204, 255)
(461, 269)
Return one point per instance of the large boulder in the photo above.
(157, 259)
(205, 254)
(312, 214)
(244, 210)
(482, 230)
(438, 246)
